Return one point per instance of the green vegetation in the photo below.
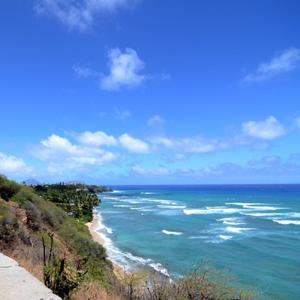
(26, 217)
(43, 228)
(77, 200)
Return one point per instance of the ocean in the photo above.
(251, 232)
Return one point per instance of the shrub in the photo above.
(24, 194)
(7, 188)
(8, 224)
(34, 219)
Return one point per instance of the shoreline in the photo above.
(93, 226)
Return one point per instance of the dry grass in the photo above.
(93, 291)
(30, 260)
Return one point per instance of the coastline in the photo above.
(93, 227)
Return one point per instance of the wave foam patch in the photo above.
(172, 206)
(287, 222)
(126, 259)
(171, 232)
(231, 221)
(236, 229)
(148, 193)
(211, 210)
(225, 237)
(244, 203)
(198, 237)
(161, 201)
(144, 209)
(255, 206)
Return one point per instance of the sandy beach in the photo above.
(119, 271)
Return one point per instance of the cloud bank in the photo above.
(80, 14)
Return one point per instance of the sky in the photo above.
(150, 92)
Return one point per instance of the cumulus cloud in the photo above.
(11, 165)
(133, 144)
(156, 120)
(268, 129)
(62, 155)
(124, 70)
(284, 62)
(98, 138)
(79, 14)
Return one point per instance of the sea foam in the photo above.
(125, 259)
(225, 237)
(236, 229)
(171, 232)
(211, 210)
(287, 222)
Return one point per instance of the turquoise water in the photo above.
(253, 232)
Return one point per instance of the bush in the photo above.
(7, 188)
(8, 225)
(34, 219)
(24, 194)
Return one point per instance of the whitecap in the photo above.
(236, 229)
(244, 203)
(231, 221)
(225, 237)
(145, 208)
(262, 214)
(197, 237)
(255, 206)
(171, 232)
(172, 206)
(161, 201)
(211, 210)
(287, 222)
(258, 207)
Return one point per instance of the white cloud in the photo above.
(84, 72)
(133, 144)
(125, 68)
(11, 165)
(159, 171)
(163, 141)
(122, 114)
(79, 14)
(297, 122)
(268, 129)
(62, 155)
(98, 138)
(284, 62)
(156, 120)
(189, 144)
(200, 145)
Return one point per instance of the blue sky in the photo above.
(147, 92)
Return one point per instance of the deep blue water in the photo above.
(250, 231)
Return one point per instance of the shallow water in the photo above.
(253, 232)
